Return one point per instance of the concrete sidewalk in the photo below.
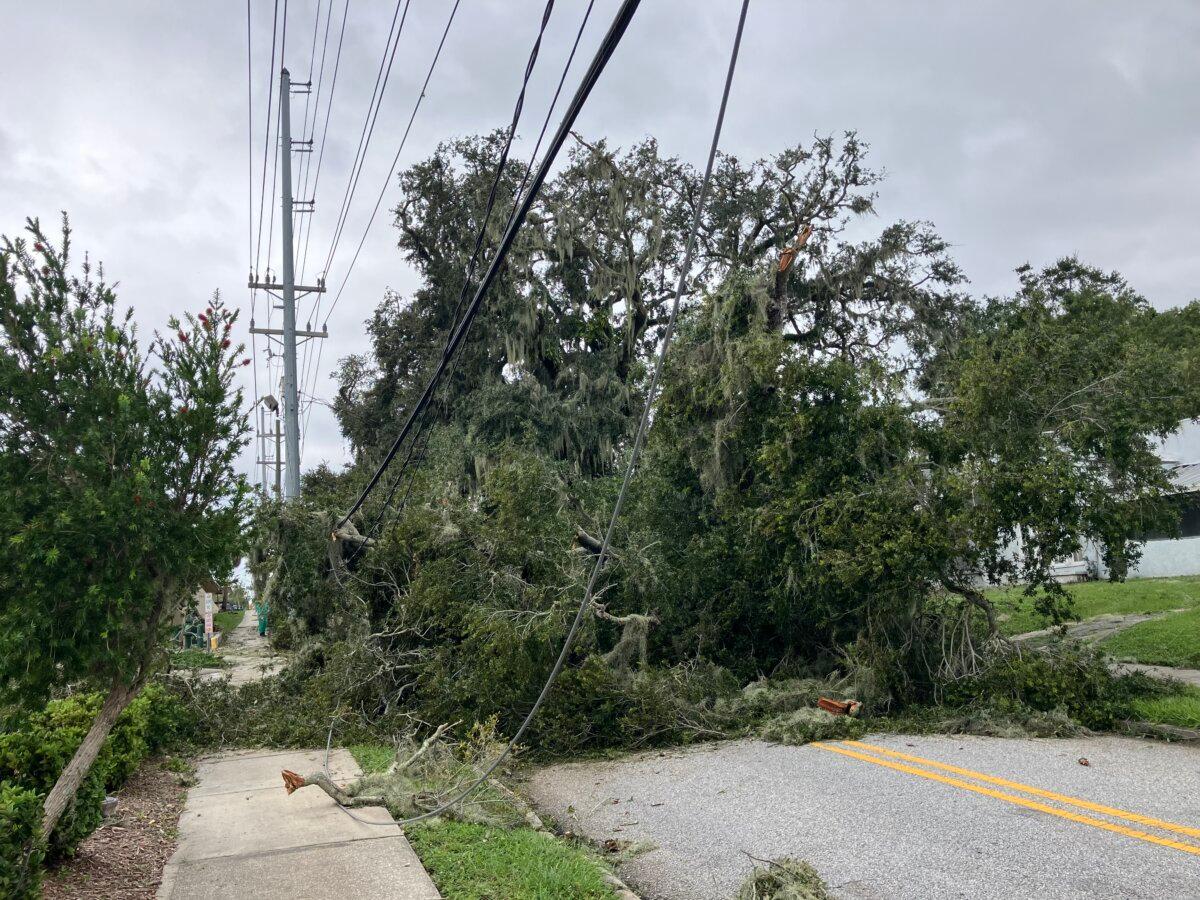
(248, 654)
(242, 836)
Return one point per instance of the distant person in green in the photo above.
(262, 609)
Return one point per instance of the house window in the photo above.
(1189, 519)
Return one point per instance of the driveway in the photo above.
(899, 817)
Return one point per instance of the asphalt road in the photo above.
(937, 817)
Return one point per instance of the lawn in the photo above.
(1182, 709)
(196, 659)
(372, 758)
(1173, 640)
(1094, 598)
(225, 622)
(478, 862)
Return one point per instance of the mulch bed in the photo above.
(124, 858)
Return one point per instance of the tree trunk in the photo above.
(63, 792)
(119, 696)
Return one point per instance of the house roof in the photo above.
(1185, 477)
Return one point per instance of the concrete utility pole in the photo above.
(275, 462)
(278, 457)
(291, 396)
(262, 447)
(288, 291)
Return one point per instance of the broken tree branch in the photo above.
(293, 782)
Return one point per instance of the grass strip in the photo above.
(1173, 640)
(1094, 598)
(480, 862)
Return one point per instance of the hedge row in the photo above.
(35, 748)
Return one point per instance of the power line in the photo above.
(305, 159)
(469, 275)
(420, 441)
(638, 440)
(328, 115)
(587, 13)
(275, 163)
(267, 136)
(395, 159)
(249, 135)
(250, 195)
(364, 140)
(306, 223)
(612, 38)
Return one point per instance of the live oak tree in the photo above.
(118, 489)
(555, 361)
(845, 450)
(823, 493)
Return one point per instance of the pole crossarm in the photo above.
(278, 332)
(299, 288)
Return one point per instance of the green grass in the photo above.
(191, 659)
(1094, 598)
(1173, 640)
(476, 862)
(225, 622)
(372, 758)
(1181, 709)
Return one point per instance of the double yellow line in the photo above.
(882, 756)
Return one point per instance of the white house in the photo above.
(1163, 555)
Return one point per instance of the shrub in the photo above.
(171, 721)
(1062, 678)
(21, 846)
(36, 752)
(36, 747)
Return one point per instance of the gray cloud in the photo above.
(1025, 131)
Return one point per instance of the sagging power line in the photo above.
(615, 32)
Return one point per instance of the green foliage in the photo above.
(477, 862)
(993, 718)
(1173, 640)
(805, 725)
(21, 846)
(1070, 680)
(783, 879)
(171, 721)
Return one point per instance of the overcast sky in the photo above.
(1025, 131)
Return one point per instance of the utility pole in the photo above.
(276, 462)
(291, 397)
(288, 291)
(278, 457)
(262, 447)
